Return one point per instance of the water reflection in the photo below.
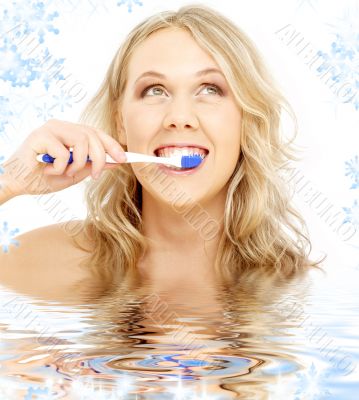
(244, 341)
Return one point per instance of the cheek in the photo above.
(227, 149)
(232, 135)
(225, 129)
(140, 128)
(147, 112)
(227, 160)
(137, 131)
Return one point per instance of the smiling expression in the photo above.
(176, 95)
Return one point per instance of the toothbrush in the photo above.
(179, 161)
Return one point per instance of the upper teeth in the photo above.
(183, 151)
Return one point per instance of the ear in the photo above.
(120, 130)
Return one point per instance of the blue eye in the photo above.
(158, 85)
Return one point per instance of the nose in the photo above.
(180, 116)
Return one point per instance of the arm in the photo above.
(6, 192)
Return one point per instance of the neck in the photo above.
(191, 228)
(183, 242)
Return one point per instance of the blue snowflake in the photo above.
(341, 61)
(22, 22)
(352, 170)
(10, 31)
(48, 68)
(5, 112)
(44, 112)
(62, 101)
(32, 17)
(6, 237)
(14, 69)
(352, 214)
(21, 72)
(129, 4)
(40, 394)
(342, 70)
(310, 385)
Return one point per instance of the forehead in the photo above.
(169, 50)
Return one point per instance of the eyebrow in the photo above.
(197, 74)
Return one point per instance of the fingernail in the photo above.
(120, 155)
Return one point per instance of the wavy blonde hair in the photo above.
(260, 227)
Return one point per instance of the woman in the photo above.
(187, 78)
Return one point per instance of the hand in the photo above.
(26, 175)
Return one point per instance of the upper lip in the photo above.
(180, 145)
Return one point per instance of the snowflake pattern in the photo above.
(87, 388)
(310, 384)
(129, 4)
(5, 112)
(22, 72)
(352, 214)
(14, 69)
(24, 58)
(352, 170)
(343, 58)
(44, 112)
(31, 16)
(6, 237)
(62, 101)
(40, 394)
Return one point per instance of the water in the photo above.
(266, 338)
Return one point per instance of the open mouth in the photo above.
(170, 151)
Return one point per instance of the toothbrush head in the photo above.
(190, 161)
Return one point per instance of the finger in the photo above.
(66, 132)
(61, 154)
(79, 155)
(111, 146)
(97, 155)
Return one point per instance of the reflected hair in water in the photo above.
(261, 229)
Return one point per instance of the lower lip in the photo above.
(191, 171)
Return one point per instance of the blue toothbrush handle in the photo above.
(48, 159)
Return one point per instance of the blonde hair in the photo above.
(260, 227)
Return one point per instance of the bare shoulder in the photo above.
(46, 259)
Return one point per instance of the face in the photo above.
(178, 108)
